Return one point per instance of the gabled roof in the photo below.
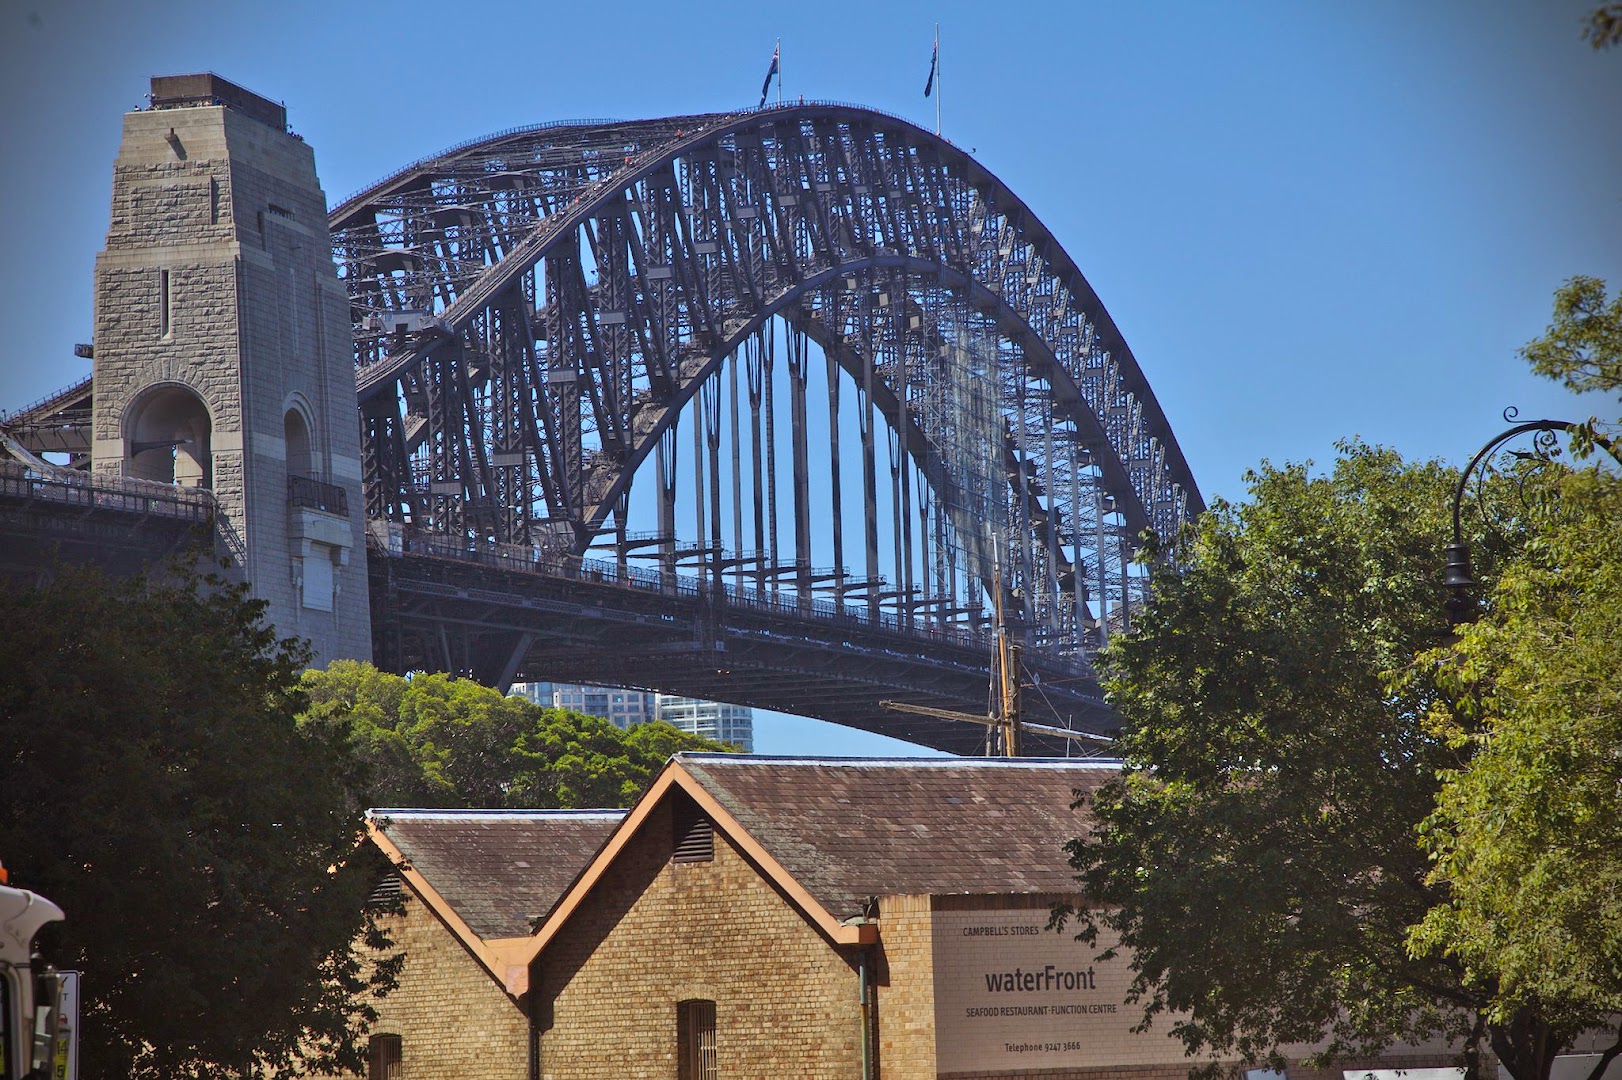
(830, 832)
(490, 874)
(847, 829)
(499, 869)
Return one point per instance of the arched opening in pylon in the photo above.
(168, 438)
(297, 437)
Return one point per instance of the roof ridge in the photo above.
(704, 758)
(471, 812)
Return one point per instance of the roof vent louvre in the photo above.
(694, 834)
(388, 894)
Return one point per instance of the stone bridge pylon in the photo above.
(222, 354)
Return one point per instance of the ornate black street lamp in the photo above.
(1461, 605)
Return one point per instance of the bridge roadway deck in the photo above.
(498, 613)
(501, 614)
(124, 526)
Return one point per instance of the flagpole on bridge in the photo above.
(777, 55)
(937, 79)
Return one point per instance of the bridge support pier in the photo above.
(503, 679)
(223, 350)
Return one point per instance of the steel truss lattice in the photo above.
(545, 315)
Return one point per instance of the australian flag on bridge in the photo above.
(766, 86)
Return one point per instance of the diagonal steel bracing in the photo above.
(598, 343)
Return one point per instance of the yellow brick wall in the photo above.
(653, 933)
(906, 989)
(454, 1022)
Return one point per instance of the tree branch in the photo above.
(1606, 1057)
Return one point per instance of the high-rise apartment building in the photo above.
(624, 708)
(536, 693)
(734, 724)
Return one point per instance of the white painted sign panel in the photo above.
(1011, 994)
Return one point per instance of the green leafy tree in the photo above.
(433, 740)
(1527, 839)
(154, 783)
(1603, 27)
(1582, 348)
(1319, 836)
(1258, 856)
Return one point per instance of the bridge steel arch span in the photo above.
(536, 312)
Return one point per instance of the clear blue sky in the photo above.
(1309, 220)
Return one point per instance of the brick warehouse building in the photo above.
(474, 882)
(765, 917)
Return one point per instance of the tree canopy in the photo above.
(438, 741)
(195, 805)
(1258, 855)
(1582, 347)
(1340, 823)
(1603, 27)
(1526, 838)
(158, 787)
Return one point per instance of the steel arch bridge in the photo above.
(546, 315)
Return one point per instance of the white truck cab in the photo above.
(35, 1030)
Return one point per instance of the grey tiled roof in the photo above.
(847, 829)
(498, 868)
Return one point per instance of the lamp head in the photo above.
(1457, 571)
(1459, 583)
